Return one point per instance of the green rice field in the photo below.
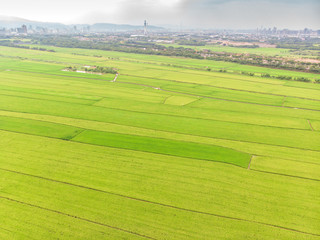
(166, 151)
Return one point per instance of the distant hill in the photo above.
(14, 22)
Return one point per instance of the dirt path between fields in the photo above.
(115, 77)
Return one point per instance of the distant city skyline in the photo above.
(218, 14)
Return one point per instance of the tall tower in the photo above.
(145, 28)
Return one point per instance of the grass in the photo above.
(147, 171)
(38, 127)
(281, 52)
(180, 100)
(287, 167)
(164, 146)
(86, 158)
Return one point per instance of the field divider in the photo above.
(115, 78)
(76, 217)
(135, 111)
(310, 125)
(199, 98)
(178, 69)
(164, 114)
(284, 101)
(252, 156)
(164, 101)
(7, 230)
(145, 201)
(60, 75)
(59, 101)
(286, 175)
(31, 134)
(194, 117)
(287, 159)
(228, 88)
(81, 131)
(222, 99)
(161, 64)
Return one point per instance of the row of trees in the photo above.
(8, 43)
(281, 77)
(265, 61)
(95, 69)
(289, 78)
(154, 49)
(297, 43)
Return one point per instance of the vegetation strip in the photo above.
(299, 161)
(146, 201)
(168, 131)
(98, 122)
(213, 86)
(252, 156)
(189, 117)
(154, 63)
(222, 99)
(310, 125)
(94, 101)
(164, 146)
(59, 75)
(286, 175)
(80, 218)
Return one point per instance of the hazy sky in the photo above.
(244, 14)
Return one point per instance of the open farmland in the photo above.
(268, 51)
(238, 49)
(167, 150)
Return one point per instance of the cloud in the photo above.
(252, 13)
(223, 14)
(156, 12)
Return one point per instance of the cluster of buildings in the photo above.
(287, 32)
(143, 32)
(23, 30)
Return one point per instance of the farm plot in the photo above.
(162, 153)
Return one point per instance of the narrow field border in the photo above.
(166, 138)
(52, 95)
(286, 175)
(202, 96)
(310, 125)
(199, 118)
(150, 202)
(249, 165)
(152, 113)
(182, 134)
(135, 150)
(77, 217)
(41, 99)
(222, 99)
(196, 159)
(233, 89)
(157, 63)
